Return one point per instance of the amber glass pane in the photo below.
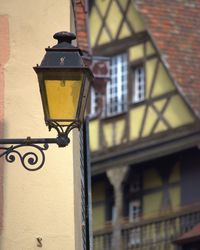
(62, 98)
(84, 100)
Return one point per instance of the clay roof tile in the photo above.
(174, 27)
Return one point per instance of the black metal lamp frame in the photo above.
(30, 151)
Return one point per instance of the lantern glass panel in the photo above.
(62, 96)
(85, 95)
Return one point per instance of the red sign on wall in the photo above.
(101, 67)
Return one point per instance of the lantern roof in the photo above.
(63, 54)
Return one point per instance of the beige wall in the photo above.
(36, 204)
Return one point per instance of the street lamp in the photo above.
(64, 83)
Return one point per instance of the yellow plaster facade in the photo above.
(108, 134)
(113, 132)
(152, 181)
(98, 200)
(119, 131)
(150, 69)
(114, 19)
(163, 84)
(136, 115)
(93, 135)
(178, 113)
(155, 200)
(150, 49)
(45, 203)
(117, 27)
(136, 52)
(99, 216)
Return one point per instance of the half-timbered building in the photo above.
(144, 122)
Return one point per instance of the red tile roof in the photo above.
(190, 236)
(175, 28)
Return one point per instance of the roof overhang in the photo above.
(134, 153)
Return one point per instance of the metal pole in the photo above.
(28, 141)
(30, 151)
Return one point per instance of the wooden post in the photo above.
(116, 176)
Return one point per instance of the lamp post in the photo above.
(64, 84)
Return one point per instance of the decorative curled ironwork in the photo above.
(63, 131)
(63, 128)
(29, 151)
(31, 160)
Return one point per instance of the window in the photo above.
(138, 85)
(116, 92)
(94, 102)
(135, 204)
(134, 237)
(134, 210)
(134, 213)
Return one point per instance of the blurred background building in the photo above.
(144, 124)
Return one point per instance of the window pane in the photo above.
(134, 210)
(138, 85)
(117, 87)
(62, 98)
(94, 102)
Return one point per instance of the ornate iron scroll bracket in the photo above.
(32, 157)
(30, 152)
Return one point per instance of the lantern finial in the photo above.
(64, 36)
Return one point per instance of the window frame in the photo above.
(93, 102)
(132, 204)
(120, 95)
(132, 83)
